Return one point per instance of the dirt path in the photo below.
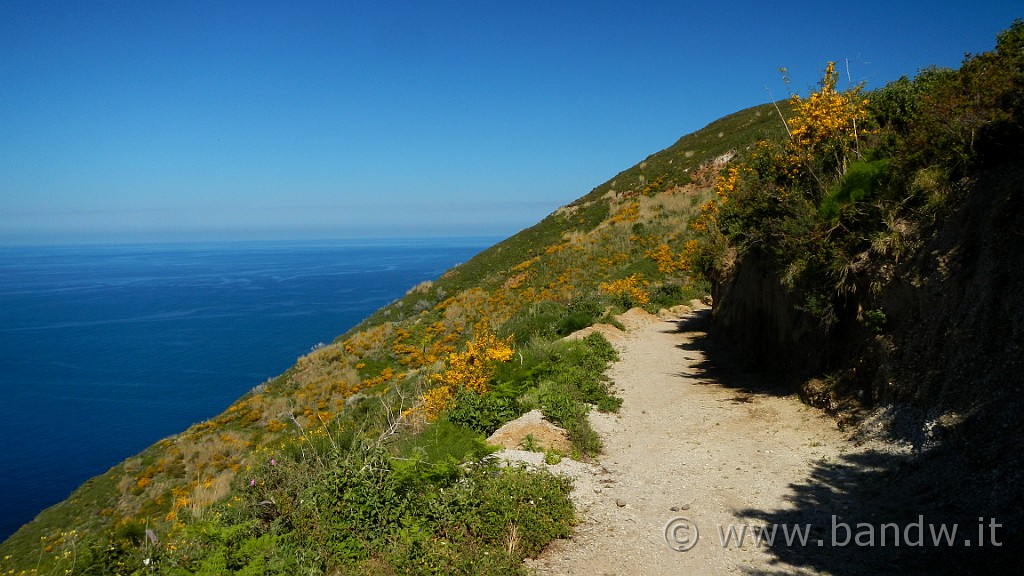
(684, 446)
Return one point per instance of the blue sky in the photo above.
(142, 121)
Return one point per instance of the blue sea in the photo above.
(106, 349)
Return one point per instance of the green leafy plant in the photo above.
(875, 320)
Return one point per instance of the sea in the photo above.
(106, 349)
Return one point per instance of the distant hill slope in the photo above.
(610, 250)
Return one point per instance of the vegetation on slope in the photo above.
(367, 456)
(875, 259)
(837, 214)
(377, 438)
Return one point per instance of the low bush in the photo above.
(574, 381)
(430, 504)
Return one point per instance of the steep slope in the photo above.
(609, 250)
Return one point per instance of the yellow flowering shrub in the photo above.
(726, 183)
(826, 125)
(522, 266)
(470, 369)
(436, 400)
(707, 217)
(627, 213)
(691, 256)
(667, 261)
(632, 289)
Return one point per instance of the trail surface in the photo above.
(686, 445)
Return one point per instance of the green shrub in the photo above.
(539, 320)
(861, 181)
(443, 440)
(582, 312)
(874, 320)
(534, 504)
(575, 379)
(430, 505)
(483, 413)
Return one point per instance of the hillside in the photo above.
(406, 383)
(869, 261)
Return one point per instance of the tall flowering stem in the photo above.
(824, 126)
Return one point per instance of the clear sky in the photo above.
(196, 120)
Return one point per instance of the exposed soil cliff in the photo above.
(943, 373)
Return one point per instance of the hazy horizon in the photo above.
(161, 122)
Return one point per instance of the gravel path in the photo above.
(686, 444)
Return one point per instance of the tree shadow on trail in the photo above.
(878, 513)
(943, 510)
(721, 365)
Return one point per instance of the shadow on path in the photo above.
(878, 513)
(941, 511)
(721, 365)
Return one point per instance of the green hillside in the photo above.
(367, 397)
(821, 239)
